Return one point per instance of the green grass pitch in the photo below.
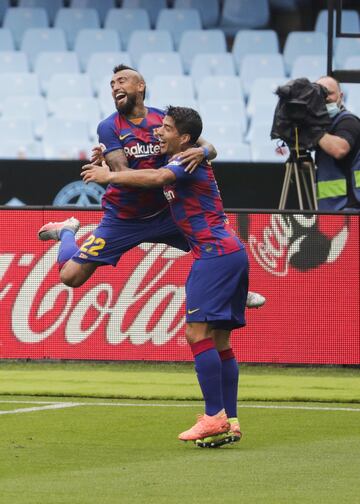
(86, 434)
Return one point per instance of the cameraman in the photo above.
(338, 155)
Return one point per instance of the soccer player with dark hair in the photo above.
(217, 286)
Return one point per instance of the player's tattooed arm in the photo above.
(192, 157)
(117, 161)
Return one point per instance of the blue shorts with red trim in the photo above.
(113, 237)
(216, 290)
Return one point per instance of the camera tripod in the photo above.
(302, 167)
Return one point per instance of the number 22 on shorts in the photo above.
(92, 245)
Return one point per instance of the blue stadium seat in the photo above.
(63, 85)
(101, 65)
(12, 149)
(204, 65)
(219, 132)
(4, 4)
(143, 41)
(18, 84)
(36, 40)
(65, 138)
(171, 88)
(262, 93)
(93, 40)
(153, 10)
(311, 67)
(245, 14)
(101, 6)
(216, 87)
(51, 6)
(51, 63)
(126, 21)
(31, 108)
(19, 19)
(13, 61)
(303, 43)
(194, 42)
(161, 102)
(153, 64)
(261, 122)
(209, 10)
(263, 151)
(6, 40)
(346, 47)
(86, 109)
(254, 41)
(177, 21)
(254, 66)
(106, 102)
(349, 21)
(224, 110)
(230, 152)
(353, 97)
(74, 20)
(17, 128)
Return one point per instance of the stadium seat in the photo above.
(163, 102)
(229, 152)
(204, 65)
(245, 14)
(263, 151)
(13, 149)
(74, 20)
(303, 43)
(86, 109)
(126, 21)
(51, 6)
(254, 41)
(345, 48)
(16, 128)
(50, 63)
(156, 6)
(6, 40)
(143, 41)
(69, 137)
(153, 64)
(31, 108)
(353, 97)
(209, 10)
(349, 21)
(220, 87)
(219, 132)
(311, 67)
(224, 111)
(261, 122)
(101, 65)
(93, 40)
(13, 61)
(105, 99)
(19, 19)
(36, 40)
(177, 21)
(18, 84)
(254, 66)
(171, 88)
(4, 4)
(194, 42)
(262, 93)
(63, 85)
(101, 6)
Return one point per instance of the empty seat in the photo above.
(223, 110)
(126, 21)
(32, 108)
(101, 6)
(311, 67)
(153, 64)
(50, 63)
(162, 103)
(346, 47)
(19, 19)
(89, 41)
(261, 122)
(262, 93)
(18, 84)
(16, 128)
(105, 99)
(6, 40)
(244, 14)
(143, 41)
(177, 21)
(36, 40)
(230, 152)
(74, 20)
(349, 21)
(353, 98)
(254, 66)
(254, 42)
(199, 42)
(303, 43)
(204, 65)
(101, 65)
(217, 87)
(84, 109)
(51, 6)
(156, 6)
(219, 132)
(62, 85)
(209, 10)
(13, 61)
(171, 88)
(70, 137)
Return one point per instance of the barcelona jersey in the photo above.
(142, 151)
(197, 210)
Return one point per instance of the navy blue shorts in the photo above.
(113, 237)
(216, 290)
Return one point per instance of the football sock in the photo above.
(230, 381)
(68, 246)
(208, 369)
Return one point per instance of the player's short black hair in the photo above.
(121, 67)
(187, 120)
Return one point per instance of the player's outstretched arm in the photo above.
(192, 157)
(132, 178)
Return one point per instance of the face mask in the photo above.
(333, 109)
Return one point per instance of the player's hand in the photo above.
(95, 173)
(191, 158)
(97, 156)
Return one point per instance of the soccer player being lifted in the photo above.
(217, 285)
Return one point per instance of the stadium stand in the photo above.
(203, 65)
(72, 20)
(195, 42)
(51, 7)
(209, 10)
(37, 40)
(156, 6)
(52, 63)
(177, 21)
(254, 42)
(11, 61)
(126, 21)
(102, 64)
(19, 19)
(95, 40)
(101, 6)
(143, 41)
(159, 63)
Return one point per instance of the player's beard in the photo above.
(129, 106)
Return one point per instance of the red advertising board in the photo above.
(307, 266)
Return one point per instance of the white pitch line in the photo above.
(40, 408)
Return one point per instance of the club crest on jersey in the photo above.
(140, 150)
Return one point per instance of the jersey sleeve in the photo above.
(108, 137)
(178, 169)
(348, 129)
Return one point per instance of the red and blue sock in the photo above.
(68, 246)
(230, 381)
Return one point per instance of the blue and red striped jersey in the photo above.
(197, 210)
(142, 151)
